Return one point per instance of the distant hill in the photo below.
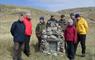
(9, 14)
(88, 12)
(9, 9)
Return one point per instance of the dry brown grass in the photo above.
(6, 41)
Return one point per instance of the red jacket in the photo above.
(70, 34)
(28, 26)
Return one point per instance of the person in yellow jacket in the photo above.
(82, 29)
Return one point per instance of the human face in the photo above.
(53, 17)
(21, 18)
(29, 15)
(78, 18)
(70, 23)
(41, 21)
(72, 17)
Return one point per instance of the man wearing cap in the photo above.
(39, 28)
(82, 29)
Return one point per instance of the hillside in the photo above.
(9, 14)
(88, 12)
(12, 10)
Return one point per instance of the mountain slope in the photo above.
(9, 14)
(88, 12)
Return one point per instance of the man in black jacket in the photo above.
(51, 22)
(18, 33)
(62, 22)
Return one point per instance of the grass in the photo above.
(6, 44)
(6, 41)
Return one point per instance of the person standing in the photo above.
(82, 29)
(62, 22)
(51, 22)
(28, 32)
(39, 29)
(70, 35)
(72, 15)
(19, 38)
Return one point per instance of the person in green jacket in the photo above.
(39, 29)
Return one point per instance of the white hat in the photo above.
(70, 22)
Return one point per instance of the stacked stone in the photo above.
(53, 33)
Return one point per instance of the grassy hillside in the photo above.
(88, 12)
(9, 14)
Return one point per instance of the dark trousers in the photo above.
(39, 42)
(27, 46)
(82, 41)
(70, 49)
(17, 49)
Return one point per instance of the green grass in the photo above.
(6, 41)
(6, 44)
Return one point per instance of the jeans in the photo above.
(17, 49)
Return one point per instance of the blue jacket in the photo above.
(18, 31)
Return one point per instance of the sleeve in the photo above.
(65, 22)
(65, 33)
(31, 28)
(86, 25)
(48, 23)
(13, 28)
(75, 35)
(37, 30)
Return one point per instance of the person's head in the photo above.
(77, 16)
(62, 16)
(28, 15)
(72, 15)
(70, 22)
(52, 17)
(21, 17)
(41, 19)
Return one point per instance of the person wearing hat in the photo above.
(82, 29)
(70, 35)
(39, 29)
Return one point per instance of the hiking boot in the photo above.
(83, 55)
(71, 59)
(27, 54)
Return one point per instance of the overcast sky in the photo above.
(51, 5)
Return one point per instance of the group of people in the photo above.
(74, 32)
(21, 31)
